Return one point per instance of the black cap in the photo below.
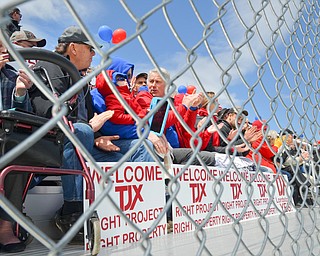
(237, 110)
(222, 113)
(73, 34)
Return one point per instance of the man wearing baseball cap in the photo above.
(139, 83)
(27, 39)
(75, 46)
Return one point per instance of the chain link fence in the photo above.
(259, 56)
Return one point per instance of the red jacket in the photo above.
(120, 115)
(266, 154)
(144, 99)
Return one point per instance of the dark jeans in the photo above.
(14, 186)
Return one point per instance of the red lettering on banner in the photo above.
(205, 208)
(132, 237)
(95, 175)
(281, 186)
(182, 227)
(236, 190)
(153, 173)
(178, 212)
(144, 216)
(110, 241)
(194, 174)
(110, 222)
(240, 203)
(260, 201)
(230, 176)
(139, 174)
(189, 209)
(134, 194)
(228, 205)
(198, 191)
(262, 190)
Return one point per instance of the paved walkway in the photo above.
(223, 240)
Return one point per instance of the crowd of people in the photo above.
(108, 131)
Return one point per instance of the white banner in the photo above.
(138, 189)
(198, 199)
(139, 192)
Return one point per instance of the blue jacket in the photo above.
(8, 78)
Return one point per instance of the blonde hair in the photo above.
(272, 135)
(207, 98)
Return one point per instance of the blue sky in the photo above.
(255, 81)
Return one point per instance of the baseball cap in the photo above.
(259, 124)
(144, 75)
(25, 35)
(287, 132)
(237, 111)
(73, 34)
(222, 113)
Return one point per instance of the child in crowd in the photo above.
(120, 115)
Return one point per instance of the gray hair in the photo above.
(164, 73)
(272, 134)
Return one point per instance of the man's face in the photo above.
(81, 55)
(141, 81)
(17, 16)
(289, 139)
(232, 119)
(156, 85)
(3, 55)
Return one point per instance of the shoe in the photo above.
(11, 248)
(65, 222)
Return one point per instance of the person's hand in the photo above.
(252, 134)
(105, 143)
(133, 84)
(233, 133)
(212, 128)
(304, 156)
(201, 122)
(197, 102)
(160, 144)
(192, 100)
(241, 148)
(23, 83)
(98, 120)
(4, 58)
(257, 135)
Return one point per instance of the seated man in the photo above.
(13, 91)
(74, 45)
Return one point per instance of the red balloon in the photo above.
(191, 89)
(118, 35)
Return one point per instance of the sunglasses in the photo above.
(120, 78)
(91, 48)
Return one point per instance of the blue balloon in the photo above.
(182, 89)
(105, 33)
